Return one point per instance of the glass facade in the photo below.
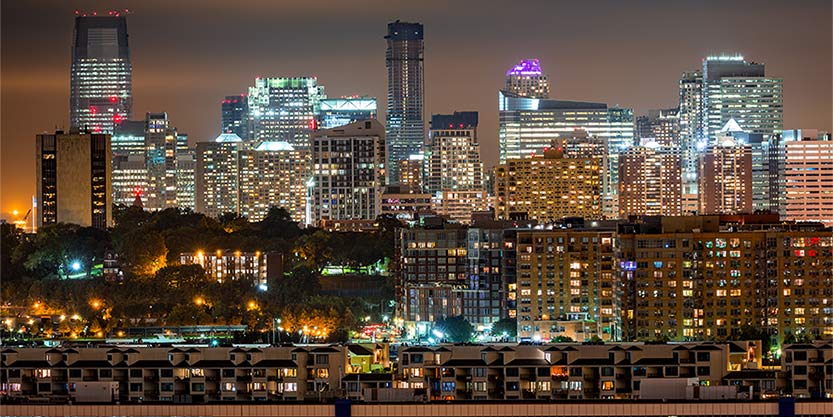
(405, 129)
(101, 84)
(284, 109)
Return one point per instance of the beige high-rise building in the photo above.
(410, 173)
(549, 187)
(273, 174)
(74, 179)
(566, 284)
(726, 177)
(453, 153)
(808, 175)
(526, 79)
(709, 277)
(650, 181)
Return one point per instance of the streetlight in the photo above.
(75, 266)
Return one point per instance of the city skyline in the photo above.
(574, 74)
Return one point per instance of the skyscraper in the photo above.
(526, 79)
(405, 128)
(235, 115)
(101, 84)
(725, 183)
(663, 125)
(740, 90)
(348, 172)
(74, 179)
(548, 187)
(335, 112)
(453, 153)
(284, 109)
(272, 174)
(130, 174)
(217, 175)
(650, 181)
(808, 175)
(691, 120)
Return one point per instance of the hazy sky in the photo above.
(188, 55)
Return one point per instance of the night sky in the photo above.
(188, 55)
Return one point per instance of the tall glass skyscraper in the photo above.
(405, 128)
(284, 109)
(101, 85)
(235, 115)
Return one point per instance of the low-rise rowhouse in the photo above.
(497, 372)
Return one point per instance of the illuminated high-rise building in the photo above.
(284, 109)
(335, 112)
(101, 76)
(405, 126)
(527, 126)
(145, 157)
(650, 181)
(74, 179)
(348, 172)
(736, 89)
(526, 79)
(691, 134)
(235, 115)
(272, 174)
(162, 144)
(452, 154)
(661, 125)
(725, 183)
(130, 174)
(186, 166)
(548, 187)
(410, 173)
(216, 175)
(808, 175)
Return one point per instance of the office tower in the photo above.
(527, 126)
(650, 181)
(548, 187)
(691, 121)
(567, 285)
(709, 277)
(74, 179)
(284, 109)
(348, 172)
(216, 175)
(186, 167)
(527, 80)
(453, 153)
(145, 157)
(725, 184)
(405, 128)
(235, 115)
(162, 143)
(580, 144)
(272, 174)
(410, 173)
(740, 90)
(130, 174)
(662, 125)
(808, 175)
(101, 76)
(335, 112)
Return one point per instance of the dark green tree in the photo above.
(506, 326)
(455, 329)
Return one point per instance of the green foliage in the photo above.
(563, 339)
(505, 325)
(455, 329)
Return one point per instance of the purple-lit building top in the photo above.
(526, 67)
(526, 79)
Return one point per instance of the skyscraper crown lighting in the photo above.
(526, 67)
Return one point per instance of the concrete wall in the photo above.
(821, 408)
